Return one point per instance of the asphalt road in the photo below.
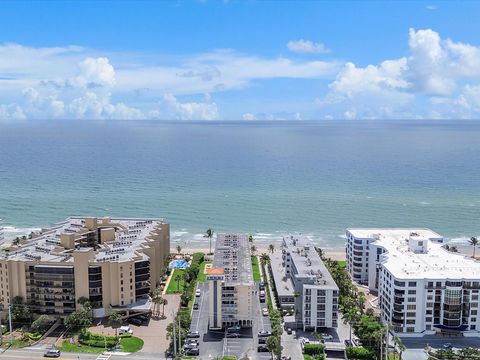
(37, 354)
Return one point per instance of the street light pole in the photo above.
(10, 322)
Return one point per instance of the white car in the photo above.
(327, 337)
(198, 293)
(265, 312)
(125, 330)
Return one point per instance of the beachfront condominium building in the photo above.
(315, 293)
(422, 288)
(231, 284)
(112, 262)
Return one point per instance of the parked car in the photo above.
(289, 331)
(192, 341)
(192, 352)
(135, 321)
(262, 285)
(262, 348)
(193, 334)
(265, 312)
(190, 346)
(125, 330)
(195, 306)
(234, 328)
(53, 353)
(327, 337)
(262, 340)
(198, 293)
(304, 340)
(264, 333)
(144, 317)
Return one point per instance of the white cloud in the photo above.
(307, 46)
(434, 69)
(171, 109)
(431, 7)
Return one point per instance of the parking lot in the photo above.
(214, 343)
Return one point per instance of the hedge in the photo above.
(358, 353)
(313, 349)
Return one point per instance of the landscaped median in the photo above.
(256, 269)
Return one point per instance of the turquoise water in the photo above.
(316, 178)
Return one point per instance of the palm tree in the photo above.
(350, 316)
(179, 249)
(474, 242)
(114, 319)
(271, 247)
(253, 249)
(453, 249)
(177, 279)
(399, 344)
(250, 238)
(164, 302)
(264, 258)
(209, 234)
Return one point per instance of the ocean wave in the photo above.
(11, 232)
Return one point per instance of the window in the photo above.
(412, 283)
(412, 292)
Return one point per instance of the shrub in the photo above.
(313, 349)
(358, 353)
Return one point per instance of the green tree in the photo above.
(474, 242)
(399, 345)
(274, 346)
(21, 313)
(250, 238)
(178, 277)
(253, 249)
(209, 234)
(41, 322)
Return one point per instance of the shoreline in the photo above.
(334, 254)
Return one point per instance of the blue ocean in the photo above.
(264, 178)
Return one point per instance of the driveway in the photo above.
(154, 333)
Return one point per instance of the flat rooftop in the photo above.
(307, 262)
(283, 283)
(130, 236)
(434, 263)
(232, 254)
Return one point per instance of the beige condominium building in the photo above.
(111, 261)
(231, 283)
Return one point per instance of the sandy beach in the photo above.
(335, 254)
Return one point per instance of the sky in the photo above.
(239, 60)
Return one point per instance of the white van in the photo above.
(125, 330)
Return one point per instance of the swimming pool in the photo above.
(178, 264)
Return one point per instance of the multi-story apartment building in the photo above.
(315, 291)
(231, 284)
(112, 262)
(422, 288)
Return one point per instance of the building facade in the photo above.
(315, 291)
(111, 262)
(231, 284)
(422, 288)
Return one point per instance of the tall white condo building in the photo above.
(422, 288)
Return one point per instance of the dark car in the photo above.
(262, 340)
(144, 317)
(190, 346)
(193, 334)
(135, 321)
(195, 306)
(194, 352)
(262, 285)
(52, 353)
(289, 331)
(262, 348)
(264, 333)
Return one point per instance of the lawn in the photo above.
(255, 269)
(342, 263)
(69, 347)
(131, 344)
(201, 272)
(174, 286)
